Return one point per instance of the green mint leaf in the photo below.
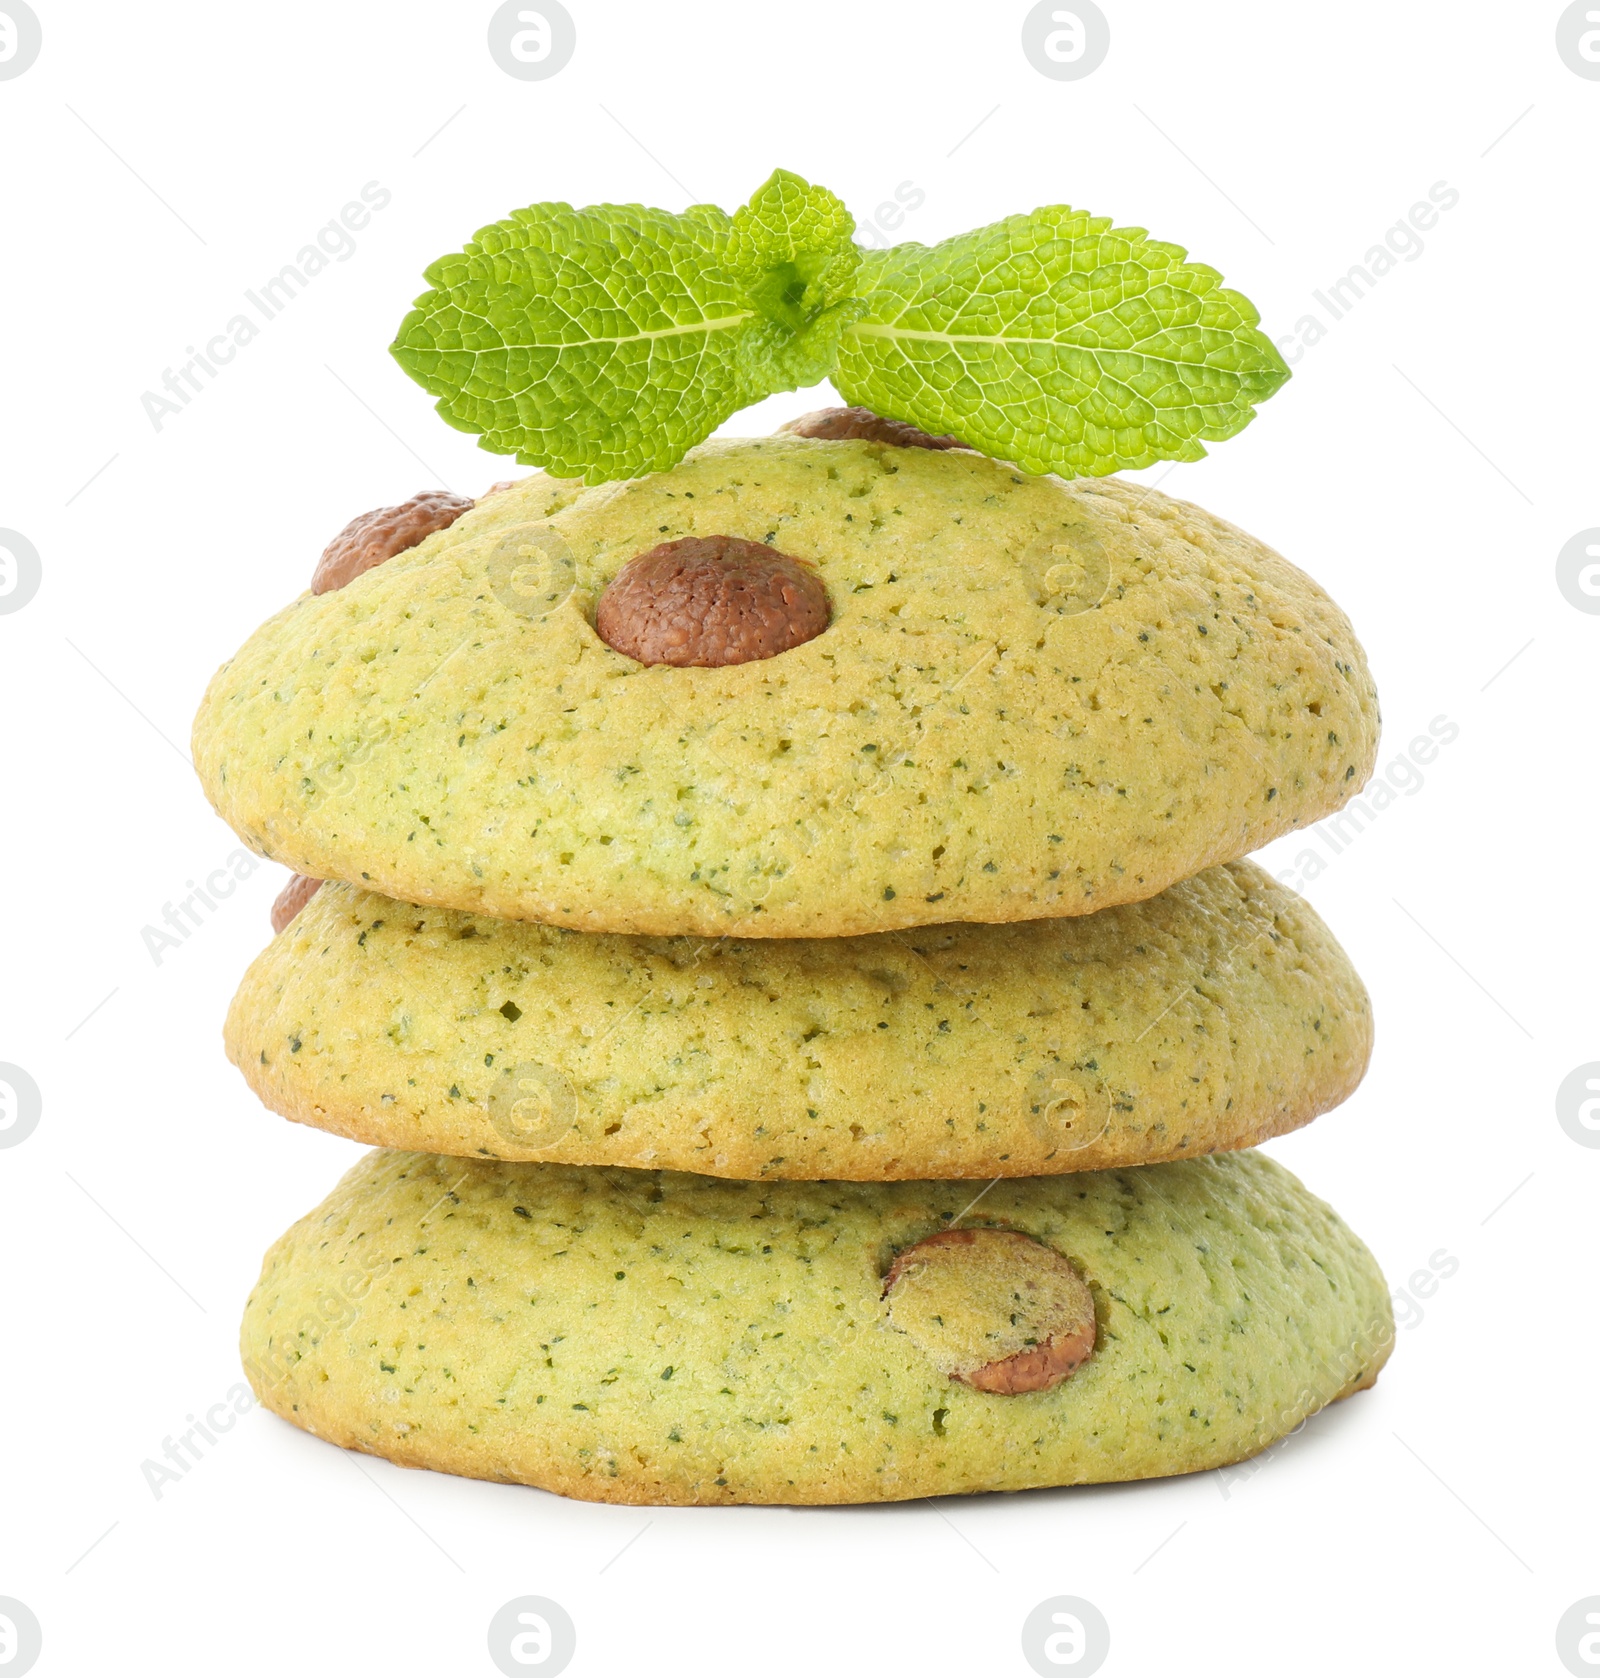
(606, 342)
(1058, 342)
(791, 248)
(596, 343)
(792, 253)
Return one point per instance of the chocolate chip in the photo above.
(711, 600)
(958, 1292)
(383, 533)
(839, 424)
(292, 899)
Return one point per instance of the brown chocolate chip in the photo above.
(383, 533)
(839, 424)
(292, 899)
(711, 600)
(1038, 1370)
(964, 1294)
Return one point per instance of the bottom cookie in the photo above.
(651, 1337)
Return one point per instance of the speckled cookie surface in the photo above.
(643, 1337)
(1034, 699)
(1212, 1016)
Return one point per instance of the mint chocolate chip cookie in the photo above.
(646, 1337)
(1213, 1016)
(1031, 698)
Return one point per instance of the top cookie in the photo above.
(1033, 698)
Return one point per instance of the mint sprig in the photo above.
(607, 342)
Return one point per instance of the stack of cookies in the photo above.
(784, 931)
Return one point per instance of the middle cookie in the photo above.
(1213, 1016)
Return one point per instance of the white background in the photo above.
(1430, 457)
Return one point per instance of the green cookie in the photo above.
(1034, 698)
(645, 1337)
(1213, 1016)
